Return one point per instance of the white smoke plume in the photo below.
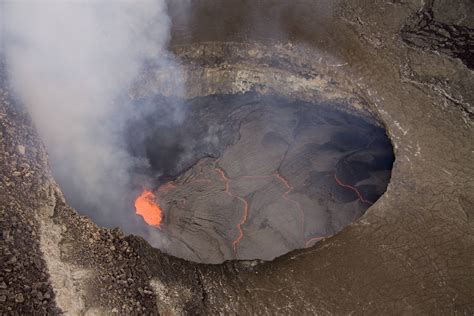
(71, 63)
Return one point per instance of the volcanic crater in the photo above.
(252, 176)
(311, 103)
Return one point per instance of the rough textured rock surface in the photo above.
(424, 31)
(411, 253)
(24, 284)
(253, 176)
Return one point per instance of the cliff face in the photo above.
(411, 252)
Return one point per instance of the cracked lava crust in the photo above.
(248, 176)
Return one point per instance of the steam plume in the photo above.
(71, 63)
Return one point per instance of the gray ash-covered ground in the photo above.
(252, 177)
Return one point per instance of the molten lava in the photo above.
(245, 213)
(354, 189)
(347, 186)
(285, 195)
(147, 208)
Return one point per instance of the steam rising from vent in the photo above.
(250, 171)
(71, 63)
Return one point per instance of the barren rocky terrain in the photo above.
(408, 63)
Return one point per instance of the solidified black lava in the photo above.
(423, 31)
(248, 176)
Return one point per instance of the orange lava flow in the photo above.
(285, 195)
(286, 183)
(361, 198)
(245, 213)
(147, 208)
(359, 195)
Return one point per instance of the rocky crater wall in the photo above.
(411, 253)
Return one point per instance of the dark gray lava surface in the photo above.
(257, 176)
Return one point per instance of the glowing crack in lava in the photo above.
(242, 221)
(147, 208)
(249, 176)
(359, 195)
(245, 211)
(151, 212)
(285, 195)
(347, 186)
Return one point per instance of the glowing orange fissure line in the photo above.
(245, 212)
(354, 189)
(152, 214)
(285, 196)
(246, 208)
(286, 183)
(361, 198)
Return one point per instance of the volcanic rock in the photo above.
(274, 184)
(410, 253)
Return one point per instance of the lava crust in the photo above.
(257, 176)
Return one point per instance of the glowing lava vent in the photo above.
(147, 208)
